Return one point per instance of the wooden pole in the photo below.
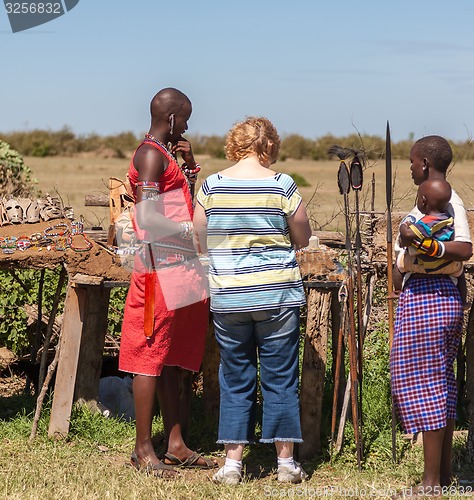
(339, 354)
(368, 307)
(42, 394)
(390, 294)
(49, 328)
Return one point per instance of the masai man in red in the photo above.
(166, 312)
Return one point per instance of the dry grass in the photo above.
(74, 178)
(91, 465)
(94, 465)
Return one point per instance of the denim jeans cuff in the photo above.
(230, 441)
(273, 440)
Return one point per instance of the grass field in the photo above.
(91, 463)
(74, 178)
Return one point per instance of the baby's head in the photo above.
(433, 196)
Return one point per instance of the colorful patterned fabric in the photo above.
(461, 233)
(252, 260)
(439, 226)
(179, 333)
(428, 330)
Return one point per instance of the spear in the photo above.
(390, 294)
(343, 178)
(356, 176)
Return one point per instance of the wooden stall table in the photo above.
(91, 275)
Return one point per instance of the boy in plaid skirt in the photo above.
(428, 328)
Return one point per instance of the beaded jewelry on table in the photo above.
(58, 237)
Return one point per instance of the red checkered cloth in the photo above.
(428, 330)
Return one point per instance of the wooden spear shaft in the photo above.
(352, 344)
(390, 294)
(337, 373)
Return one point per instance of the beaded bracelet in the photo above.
(60, 244)
(191, 171)
(8, 244)
(186, 230)
(87, 241)
(49, 234)
(23, 243)
(35, 238)
(441, 250)
(77, 227)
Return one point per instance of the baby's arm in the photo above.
(407, 236)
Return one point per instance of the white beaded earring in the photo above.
(171, 124)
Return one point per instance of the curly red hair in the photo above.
(255, 135)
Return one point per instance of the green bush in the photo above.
(22, 286)
(15, 176)
(116, 306)
(64, 142)
(300, 181)
(22, 289)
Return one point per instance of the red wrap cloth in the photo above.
(181, 308)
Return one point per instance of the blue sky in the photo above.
(312, 67)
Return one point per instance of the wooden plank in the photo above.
(96, 200)
(330, 238)
(85, 279)
(92, 344)
(320, 265)
(313, 371)
(116, 284)
(74, 310)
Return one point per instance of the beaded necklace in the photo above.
(151, 138)
(190, 174)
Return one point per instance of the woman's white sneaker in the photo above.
(226, 477)
(297, 475)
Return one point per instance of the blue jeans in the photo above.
(273, 337)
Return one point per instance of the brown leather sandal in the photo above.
(191, 462)
(158, 470)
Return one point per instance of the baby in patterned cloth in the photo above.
(428, 233)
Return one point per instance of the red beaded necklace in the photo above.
(151, 138)
(191, 174)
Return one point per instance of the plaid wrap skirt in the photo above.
(428, 329)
